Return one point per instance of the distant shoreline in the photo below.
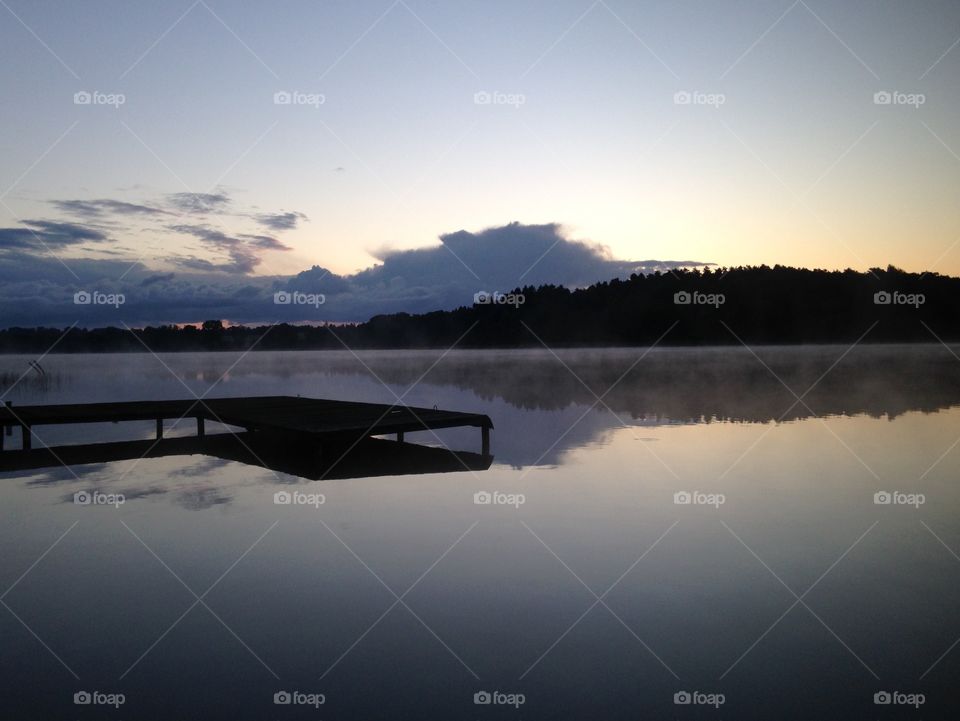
(753, 306)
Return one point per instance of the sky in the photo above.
(197, 156)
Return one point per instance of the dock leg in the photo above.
(485, 442)
(159, 428)
(2, 434)
(200, 428)
(26, 437)
(399, 436)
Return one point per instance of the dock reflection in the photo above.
(308, 459)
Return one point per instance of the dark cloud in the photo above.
(280, 221)
(200, 203)
(36, 289)
(448, 275)
(265, 242)
(41, 233)
(159, 278)
(102, 206)
(241, 250)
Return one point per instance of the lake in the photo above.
(674, 533)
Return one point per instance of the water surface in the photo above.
(400, 597)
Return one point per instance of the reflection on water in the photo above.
(543, 403)
(501, 594)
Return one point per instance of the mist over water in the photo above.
(698, 490)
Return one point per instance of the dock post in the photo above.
(8, 430)
(200, 428)
(26, 437)
(485, 436)
(399, 436)
(159, 428)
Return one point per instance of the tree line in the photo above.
(753, 305)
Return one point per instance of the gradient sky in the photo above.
(798, 166)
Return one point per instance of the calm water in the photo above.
(400, 597)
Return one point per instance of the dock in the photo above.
(277, 418)
(368, 458)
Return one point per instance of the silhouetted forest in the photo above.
(760, 305)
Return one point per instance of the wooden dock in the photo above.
(277, 417)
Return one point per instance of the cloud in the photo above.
(98, 208)
(264, 242)
(447, 275)
(242, 250)
(280, 221)
(37, 289)
(199, 203)
(46, 234)
(159, 278)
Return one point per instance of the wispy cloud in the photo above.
(40, 233)
(103, 206)
(243, 250)
(280, 221)
(199, 203)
